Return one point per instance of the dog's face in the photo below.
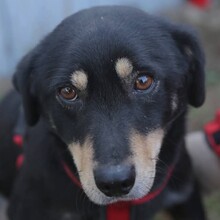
(109, 81)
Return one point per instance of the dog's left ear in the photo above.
(190, 47)
(23, 83)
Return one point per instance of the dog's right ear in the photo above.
(189, 45)
(23, 82)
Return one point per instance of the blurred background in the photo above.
(24, 23)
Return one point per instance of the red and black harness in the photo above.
(116, 211)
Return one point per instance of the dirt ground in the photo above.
(208, 25)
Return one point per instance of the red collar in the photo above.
(121, 210)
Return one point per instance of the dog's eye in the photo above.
(143, 82)
(68, 93)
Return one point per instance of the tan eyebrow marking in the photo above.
(79, 79)
(123, 67)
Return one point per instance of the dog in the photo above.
(105, 97)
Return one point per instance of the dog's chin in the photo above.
(137, 192)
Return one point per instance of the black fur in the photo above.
(93, 40)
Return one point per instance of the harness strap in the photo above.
(18, 140)
(212, 132)
(70, 174)
(118, 212)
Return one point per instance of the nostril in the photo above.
(126, 185)
(115, 180)
(105, 188)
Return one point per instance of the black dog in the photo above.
(109, 87)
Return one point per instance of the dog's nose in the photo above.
(115, 180)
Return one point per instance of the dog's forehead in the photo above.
(113, 51)
(107, 31)
(105, 44)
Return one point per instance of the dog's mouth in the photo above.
(125, 181)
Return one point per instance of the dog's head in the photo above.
(109, 80)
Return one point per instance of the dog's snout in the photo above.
(115, 180)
